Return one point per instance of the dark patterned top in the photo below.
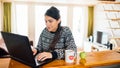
(66, 41)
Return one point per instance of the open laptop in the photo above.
(19, 49)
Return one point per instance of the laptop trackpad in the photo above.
(42, 62)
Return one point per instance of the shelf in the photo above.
(112, 10)
(114, 28)
(115, 38)
(110, 2)
(115, 19)
(99, 47)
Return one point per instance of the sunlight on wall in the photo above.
(78, 20)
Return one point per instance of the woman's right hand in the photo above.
(34, 50)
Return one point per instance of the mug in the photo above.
(69, 56)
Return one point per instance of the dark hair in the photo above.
(53, 12)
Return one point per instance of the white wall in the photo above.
(101, 23)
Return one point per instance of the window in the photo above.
(24, 12)
(39, 21)
(79, 25)
(21, 20)
(63, 13)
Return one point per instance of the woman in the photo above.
(54, 39)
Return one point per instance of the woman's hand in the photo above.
(43, 56)
(34, 50)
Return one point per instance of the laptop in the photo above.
(19, 49)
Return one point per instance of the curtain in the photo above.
(7, 17)
(90, 20)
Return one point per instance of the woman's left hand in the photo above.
(43, 56)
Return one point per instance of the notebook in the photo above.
(19, 49)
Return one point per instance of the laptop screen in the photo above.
(19, 48)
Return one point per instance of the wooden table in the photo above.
(10, 63)
(102, 58)
(93, 59)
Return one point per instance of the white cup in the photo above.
(69, 56)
